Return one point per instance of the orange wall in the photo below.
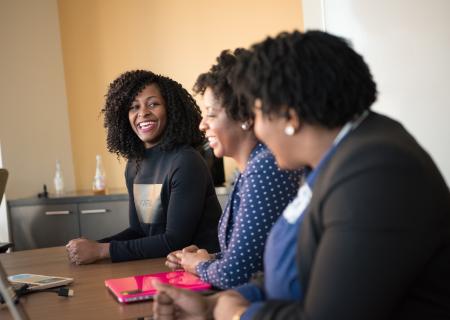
(103, 38)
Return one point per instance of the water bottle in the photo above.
(99, 185)
(58, 180)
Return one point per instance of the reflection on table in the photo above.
(91, 300)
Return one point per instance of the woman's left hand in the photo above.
(230, 303)
(190, 260)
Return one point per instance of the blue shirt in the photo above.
(259, 196)
(281, 276)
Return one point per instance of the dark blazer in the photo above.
(375, 241)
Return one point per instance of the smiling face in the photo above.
(147, 115)
(223, 133)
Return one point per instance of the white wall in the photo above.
(407, 46)
(34, 127)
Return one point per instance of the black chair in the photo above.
(3, 179)
(4, 246)
(215, 165)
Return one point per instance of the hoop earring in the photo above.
(245, 125)
(289, 130)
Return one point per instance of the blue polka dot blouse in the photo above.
(259, 196)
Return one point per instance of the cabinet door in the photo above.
(43, 226)
(103, 219)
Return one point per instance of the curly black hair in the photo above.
(183, 114)
(317, 74)
(218, 79)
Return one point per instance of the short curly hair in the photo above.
(317, 74)
(183, 114)
(218, 79)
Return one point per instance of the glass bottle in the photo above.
(99, 185)
(58, 180)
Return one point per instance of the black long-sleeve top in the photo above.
(173, 204)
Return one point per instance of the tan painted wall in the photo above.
(34, 126)
(178, 38)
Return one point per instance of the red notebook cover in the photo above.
(138, 288)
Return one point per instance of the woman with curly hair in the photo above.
(260, 192)
(152, 121)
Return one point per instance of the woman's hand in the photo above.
(229, 303)
(174, 258)
(174, 303)
(84, 251)
(189, 260)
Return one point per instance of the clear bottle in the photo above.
(99, 184)
(58, 180)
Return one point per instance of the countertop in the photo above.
(84, 196)
(71, 197)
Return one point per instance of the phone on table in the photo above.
(38, 281)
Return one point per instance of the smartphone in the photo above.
(39, 282)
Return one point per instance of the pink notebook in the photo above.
(138, 288)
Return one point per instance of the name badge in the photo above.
(298, 206)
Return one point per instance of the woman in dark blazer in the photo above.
(368, 236)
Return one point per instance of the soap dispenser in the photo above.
(58, 180)
(99, 185)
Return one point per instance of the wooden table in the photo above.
(91, 300)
